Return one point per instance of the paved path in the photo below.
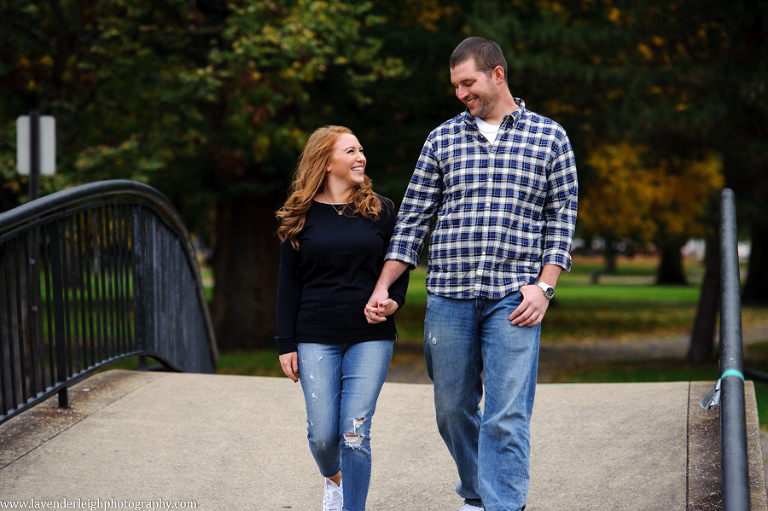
(239, 443)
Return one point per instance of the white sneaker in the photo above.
(467, 507)
(333, 496)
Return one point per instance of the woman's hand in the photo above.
(290, 365)
(377, 313)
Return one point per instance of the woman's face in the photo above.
(347, 165)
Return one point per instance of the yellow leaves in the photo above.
(13, 185)
(614, 15)
(426, 13)
(617, 203)
(645, 52)
(553, 6)
(261, 145)
(686, 186)
(628, 199)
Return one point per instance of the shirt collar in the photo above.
(509, 120)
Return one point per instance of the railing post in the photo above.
(733, 431)
(138, 248)
(58, 316)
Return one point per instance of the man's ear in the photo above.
(498, 75)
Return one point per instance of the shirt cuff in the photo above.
(286, 345)
(561, 259)
(412, 260)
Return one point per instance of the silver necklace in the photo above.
(338, 211)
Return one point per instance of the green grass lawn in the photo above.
(626, 302)
(616, 305)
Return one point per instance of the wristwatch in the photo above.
(549, 291)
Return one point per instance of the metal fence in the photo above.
(92, 275)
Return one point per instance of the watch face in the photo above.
(549, 291)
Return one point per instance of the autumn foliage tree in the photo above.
(664, 204)
(618, 203)
(210, 101)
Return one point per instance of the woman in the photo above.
(335, 231)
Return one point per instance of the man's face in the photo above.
(475, 89)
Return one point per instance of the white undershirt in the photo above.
(489, 131)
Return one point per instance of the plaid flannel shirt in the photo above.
(502, 210)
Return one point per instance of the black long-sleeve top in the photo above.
(325, 285)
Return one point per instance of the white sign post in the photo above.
(35, 148)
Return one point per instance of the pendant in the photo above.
(340, 212)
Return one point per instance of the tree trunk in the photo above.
(670, 269)
(756, 285)
(246, 265)
(610, 257)
(702, 344)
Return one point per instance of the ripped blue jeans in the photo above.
(341, 383)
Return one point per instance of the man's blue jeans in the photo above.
(341, 383)
(463, 338)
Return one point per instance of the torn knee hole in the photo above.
(353, 440)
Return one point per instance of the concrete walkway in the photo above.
(239, 443)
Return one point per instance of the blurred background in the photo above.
(210, 101)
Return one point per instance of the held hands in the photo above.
(531, 310)
(379, 306)
(290, 365)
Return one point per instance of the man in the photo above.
(501, 183)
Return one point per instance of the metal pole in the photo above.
(733, 431)
(59, 326)
(34, 155)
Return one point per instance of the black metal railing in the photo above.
(733, 430)
(92, 275)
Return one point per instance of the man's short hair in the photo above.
(486, 54)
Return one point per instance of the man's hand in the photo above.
(376, 313)
(375, 309)
(379, 304)
(290, 365)
(531, 310)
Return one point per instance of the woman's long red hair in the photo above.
(309, 180)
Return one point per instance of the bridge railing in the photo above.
(92, 275)
(733, 429)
